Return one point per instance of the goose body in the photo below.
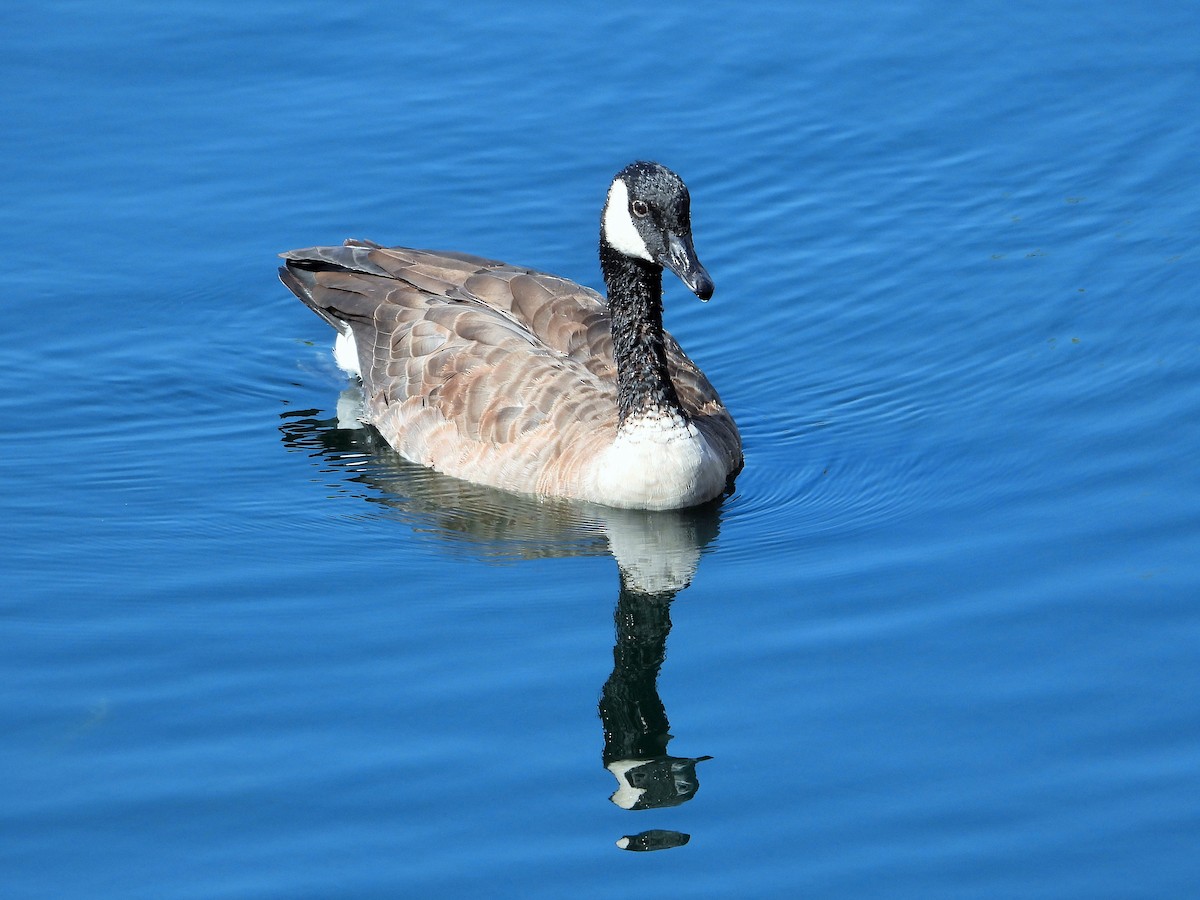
(528, 382)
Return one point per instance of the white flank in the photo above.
(658, 461)
(620, 232)
(345, 352)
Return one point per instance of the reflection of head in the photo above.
(656, 553)
(654, 839)
(655, 783)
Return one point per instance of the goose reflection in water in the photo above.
(656, 553)
(636, 729)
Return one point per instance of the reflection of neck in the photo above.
(635, 721)
(635, 305)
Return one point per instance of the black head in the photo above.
(648, 216)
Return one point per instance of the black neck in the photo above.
(635, 305)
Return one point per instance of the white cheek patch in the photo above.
(620, 232)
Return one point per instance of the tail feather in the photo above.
(295, 282)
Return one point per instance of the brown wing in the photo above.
(486, 371)
(482, 370)
(702, 404)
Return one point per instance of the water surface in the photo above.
(940, 642)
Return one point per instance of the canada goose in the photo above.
(517, 379)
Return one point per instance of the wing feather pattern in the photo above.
(486, 371)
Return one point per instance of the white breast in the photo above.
(658, 461)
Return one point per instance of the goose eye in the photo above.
(640, 208)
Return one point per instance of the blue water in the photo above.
(942, 641)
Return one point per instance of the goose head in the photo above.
(647, 216)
